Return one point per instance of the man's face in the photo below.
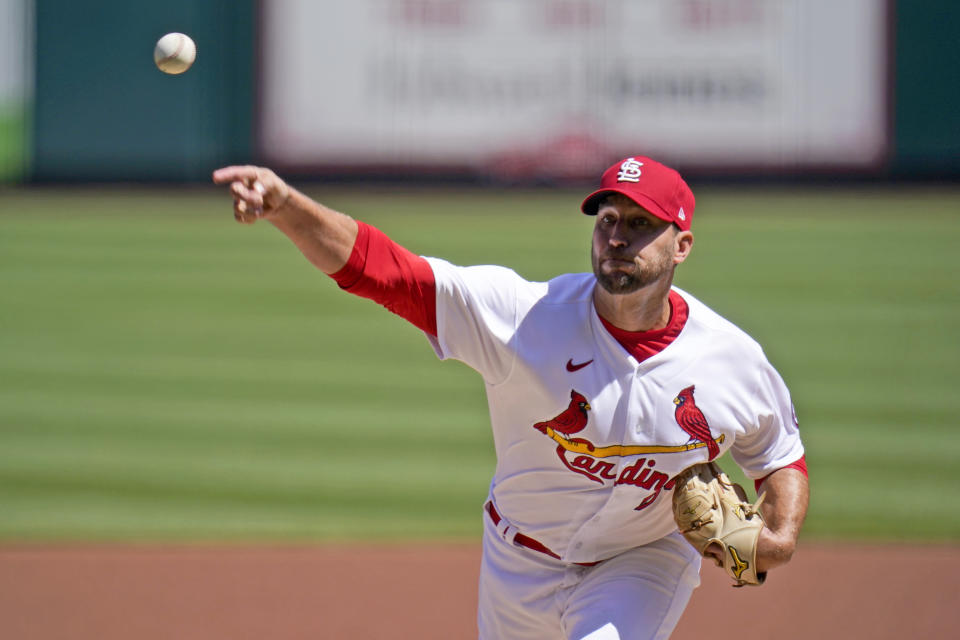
(632, 248)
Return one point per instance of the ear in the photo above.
(682, 245)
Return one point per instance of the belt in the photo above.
(526, 541)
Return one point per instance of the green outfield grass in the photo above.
(166, 374)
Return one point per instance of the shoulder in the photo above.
(708, 325)
(443, 268)
(571, 287)
(451, 278)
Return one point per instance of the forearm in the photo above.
(368, 264)
(784, 509)
(323, 235)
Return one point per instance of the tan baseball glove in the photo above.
(709, 508)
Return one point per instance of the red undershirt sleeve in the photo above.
(381, 270)
(799, 465)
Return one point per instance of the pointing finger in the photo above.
(259, 189)
(226, 175)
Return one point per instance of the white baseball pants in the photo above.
(637, 595)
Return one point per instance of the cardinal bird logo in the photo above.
(571, 420)
(692, 420)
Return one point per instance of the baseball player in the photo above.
(603, 387)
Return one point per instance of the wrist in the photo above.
(286, 202)
(774, 549)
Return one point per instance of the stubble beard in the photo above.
(621, 283)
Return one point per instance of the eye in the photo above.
(640, 222)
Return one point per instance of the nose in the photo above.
(616, 238)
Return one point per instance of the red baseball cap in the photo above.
(654, 186)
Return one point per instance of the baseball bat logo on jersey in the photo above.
(589, 460)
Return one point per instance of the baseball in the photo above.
(174, 53)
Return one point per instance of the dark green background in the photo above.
(97, 113)
(926, 95)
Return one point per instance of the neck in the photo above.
(646, 309)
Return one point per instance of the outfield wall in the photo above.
(512, 89)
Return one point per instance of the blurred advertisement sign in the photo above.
(558, 87)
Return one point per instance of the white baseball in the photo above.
(174, 53)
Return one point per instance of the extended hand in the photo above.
(257, 192)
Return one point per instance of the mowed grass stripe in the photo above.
(345, 429)
(236, 473)
(293, 382)
(112, 519)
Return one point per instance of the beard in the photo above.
(643, 274)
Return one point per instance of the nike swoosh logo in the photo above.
(576, 367)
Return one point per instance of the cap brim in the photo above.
(591, 204)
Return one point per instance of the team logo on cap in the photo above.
(629, 171)
(681, 215)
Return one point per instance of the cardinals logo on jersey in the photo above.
(567, 422)
(602, 463)
(692, 420)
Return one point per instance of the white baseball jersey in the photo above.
(586, 436)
